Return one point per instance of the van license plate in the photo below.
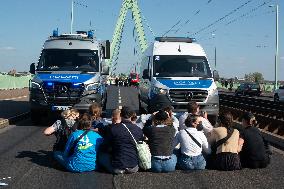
(60, 108)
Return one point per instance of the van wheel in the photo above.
(35, 117)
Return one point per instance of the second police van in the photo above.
(178, 68)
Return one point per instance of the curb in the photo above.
(12, 120)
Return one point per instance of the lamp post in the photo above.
(277, 48)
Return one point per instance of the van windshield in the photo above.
(69, 60)
(181, 66)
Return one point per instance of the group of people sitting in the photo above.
(188, 143)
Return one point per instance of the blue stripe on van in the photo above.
(182, 84)
(77, 78)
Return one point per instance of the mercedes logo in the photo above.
(188, 96)
(63, 89)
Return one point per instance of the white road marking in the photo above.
(119, 101)
(14, 98)
(120, 107)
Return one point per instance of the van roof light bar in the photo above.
(175, 39)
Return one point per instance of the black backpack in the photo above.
(62, 136)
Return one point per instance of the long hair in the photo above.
(95, 110)
(85, 122)
(161, 118)
(226, 119)
(190, 119)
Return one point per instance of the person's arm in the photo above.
(176, 140)
(240, 144)
(181, 121)
(205, 145)
(53, 128)
(69, 144)
(49, 131)
(211, 138)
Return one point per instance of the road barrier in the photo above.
(14, 82)
(270, 115)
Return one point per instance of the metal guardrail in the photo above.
(269, 114)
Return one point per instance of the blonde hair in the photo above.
(116, 113)
(74, 112)
(116, 116)
(95, 111)
(65, 114)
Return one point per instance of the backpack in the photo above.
(62, 136)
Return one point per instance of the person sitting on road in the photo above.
(194, 109)
(63, 128)
(192, 143)
(81, 148)
(225, 144)
(124, 157)
(255, 152)
(134, 117)
(95, 110)
(160, 139)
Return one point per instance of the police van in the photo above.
(178, 68)
(68, 73)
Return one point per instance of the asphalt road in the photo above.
(26, 162)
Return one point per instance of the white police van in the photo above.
(178, 68)
(68, 74)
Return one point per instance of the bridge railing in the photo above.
(14, 82)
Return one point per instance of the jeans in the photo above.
(191, 162)
(58, 155)
(163, 165)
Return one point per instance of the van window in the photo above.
(69, 60)
(181, 66)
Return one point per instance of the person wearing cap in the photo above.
(194, 109)
(160, 139)
(192, 143)
(123, 157)
(255, 152)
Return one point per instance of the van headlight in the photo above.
(214, 92)
(92, 87)
(35, 85)
(157, 90)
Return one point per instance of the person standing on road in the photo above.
(255, 152)
(81, 148)
(160, 139)
(225, 144)
(63, 128)
(192, 143)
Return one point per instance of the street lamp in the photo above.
(276, 53)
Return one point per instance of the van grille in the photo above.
(63, 93)
(186, 95)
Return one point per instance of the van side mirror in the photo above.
(32, 68)
(106, 49)
(216, 76)
(146, 74)
(105, 70)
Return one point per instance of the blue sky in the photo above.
(245, 38)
